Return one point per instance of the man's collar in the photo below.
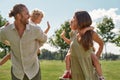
(27, 26)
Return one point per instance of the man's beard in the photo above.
(24, 22)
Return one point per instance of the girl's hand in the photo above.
(78, 37)
(62, 34)
(84, 30)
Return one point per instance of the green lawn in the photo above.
(51, 70)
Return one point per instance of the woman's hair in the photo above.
(84, 20)
(18, 8)
(35, 13)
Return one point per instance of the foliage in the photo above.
(45, 54)
(48, 55)
(58, 42)
(2, 21)
(111, 56)
(3, 46)
(2, 54)
(117, 40)
(105, 29)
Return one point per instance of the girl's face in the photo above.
(73, 23)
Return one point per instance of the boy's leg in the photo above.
(97, 65)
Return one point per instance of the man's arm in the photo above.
(41, 36)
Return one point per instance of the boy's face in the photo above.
(73, 23)
(39, 19)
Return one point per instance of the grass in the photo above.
(111, 70)
(51, 70)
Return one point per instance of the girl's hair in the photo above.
(35, 13)
(84, 20)
(18, 8)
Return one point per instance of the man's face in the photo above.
(25, 16)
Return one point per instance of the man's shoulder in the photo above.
(6, 27)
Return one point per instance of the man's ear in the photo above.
(18, 16)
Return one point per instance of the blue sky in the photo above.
(58, 11)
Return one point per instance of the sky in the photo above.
(59, 11)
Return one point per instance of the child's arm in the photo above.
(82, 31)
(5, 59)
(38, 52)
(64, 38)
(46, 31)
(6, 24)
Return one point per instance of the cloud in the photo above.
(98, 14)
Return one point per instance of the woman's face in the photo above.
(73, 23)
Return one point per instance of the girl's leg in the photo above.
(67, 61)
(67, 73)
(97, 65)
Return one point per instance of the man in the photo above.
(23, 39)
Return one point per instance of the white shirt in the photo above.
(24, 50)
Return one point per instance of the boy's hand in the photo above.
(48, 24)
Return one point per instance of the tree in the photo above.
(58, 42)
(2, 21)
(105, 30)
(5, 47)
(117, 40)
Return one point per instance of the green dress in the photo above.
(81, 63)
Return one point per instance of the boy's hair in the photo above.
(35, 13)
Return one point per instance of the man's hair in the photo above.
(18, 8)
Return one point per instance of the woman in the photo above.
(82, 48)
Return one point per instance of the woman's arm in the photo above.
(100, 42)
